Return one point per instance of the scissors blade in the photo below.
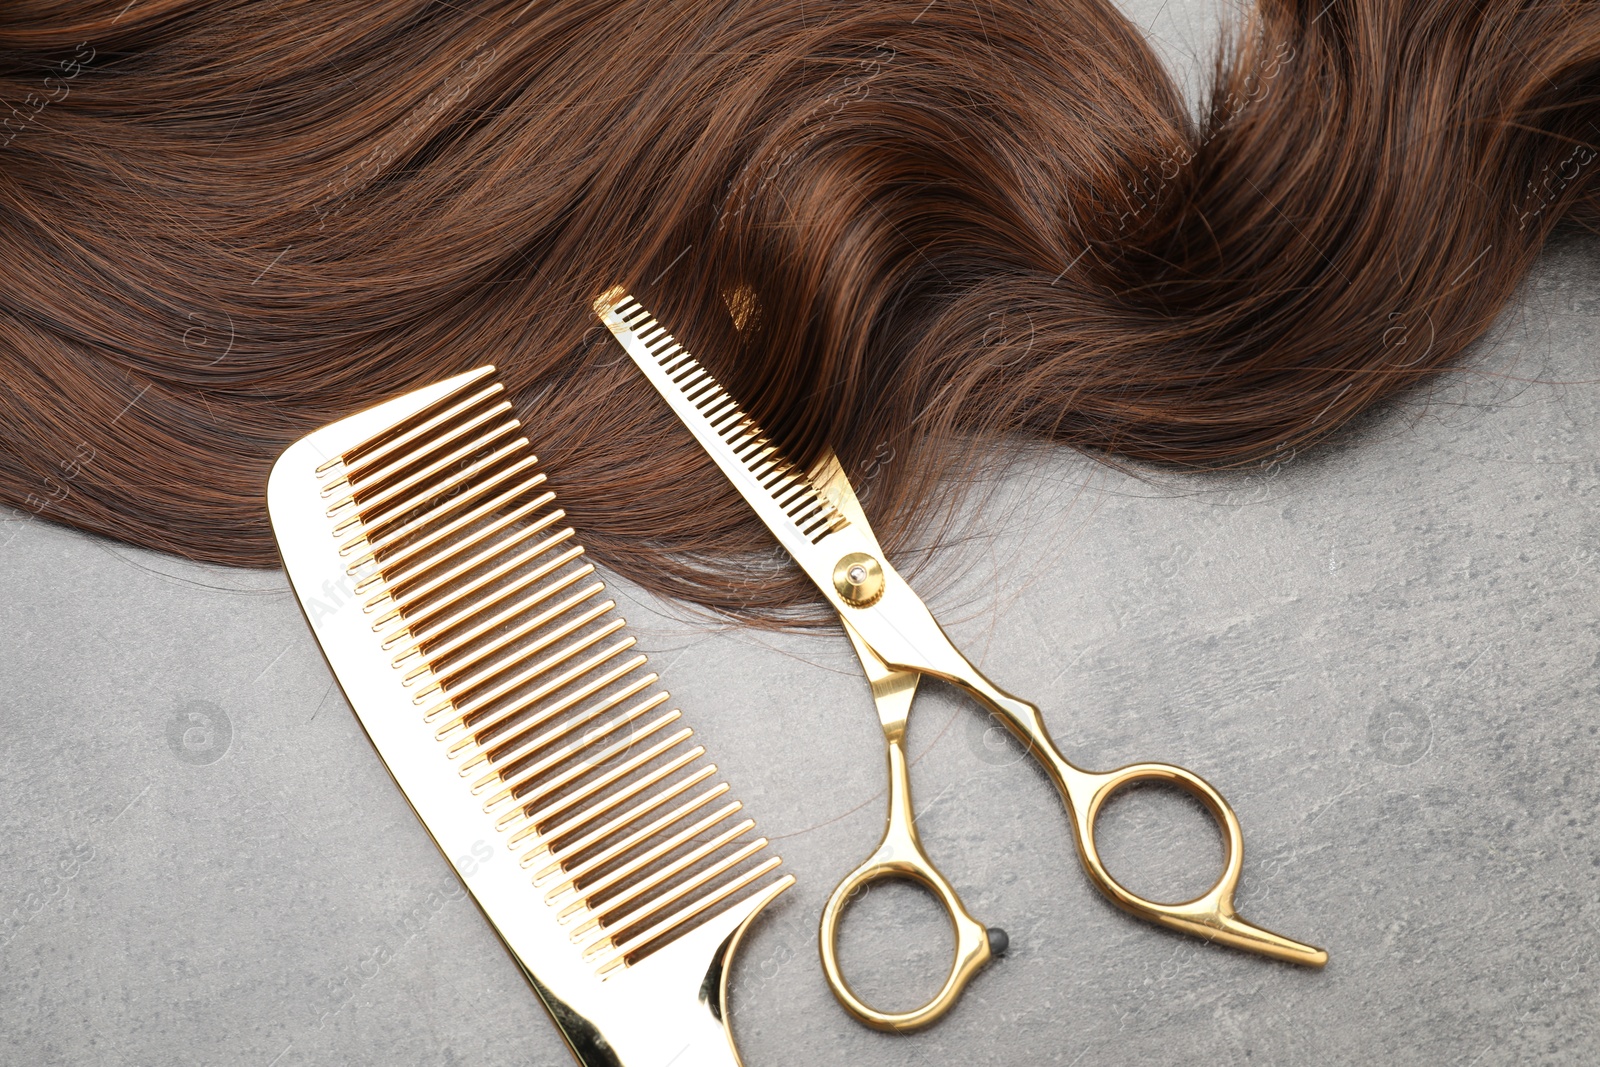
(815, 515)
(782, 495)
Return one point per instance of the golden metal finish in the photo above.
(497, 685)
(897, 640)
(858, 578)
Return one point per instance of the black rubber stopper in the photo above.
(999, 941)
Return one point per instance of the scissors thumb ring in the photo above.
(900, 856)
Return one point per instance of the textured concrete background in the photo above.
(1385, 655)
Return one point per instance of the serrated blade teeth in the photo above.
(779, 491)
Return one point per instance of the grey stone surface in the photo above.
(1386, 655)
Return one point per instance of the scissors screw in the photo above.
(859, 579)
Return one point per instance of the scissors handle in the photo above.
(1211, 915)
(900, 855)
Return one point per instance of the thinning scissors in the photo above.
(816, 517)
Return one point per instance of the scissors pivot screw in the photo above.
(859, 579)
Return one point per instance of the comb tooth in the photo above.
(437, 628)
(811, 527)
(410, 561)
(444, 505)
(378, 512)
(567, 855)
(612, 800)
(418, 617)
(412, 591)
(469, 612)
(473, 698)
(742, 436)
(674, 358)
(804, 515)
(679, 362)
(610, 778)
(442, 650)
(714, 398)
(383, 503)
(410, 587)
(600, 938)
(747, 443)
(631, 841)
(447, 600)
(566, 752)
(620, 957)
(577, 845)
(383, 439)
(816, 528)
(825, 520)
(381, 544)
(374, 482)
(626, 919)
(438, 657)
(644, 859)
(490, 723)
(513, 750)
(718, 407)
(566, 703)
(462, 684)
(585, 766)
(751, 445)
(706, 388)
(413, 552)
(804, 504)
(681, 916)
(383, 459)
(426, 489)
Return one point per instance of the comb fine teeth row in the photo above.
(481, 601)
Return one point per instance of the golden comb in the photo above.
(507, 699)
